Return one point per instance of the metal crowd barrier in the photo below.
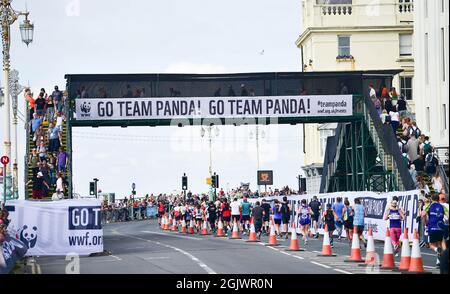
(128, 214)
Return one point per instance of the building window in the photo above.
(427, 70)
(406, 87)
(444, 116)
(427, 118)
(343, 46)
(324, 134)
(444, 57)
(406, 46)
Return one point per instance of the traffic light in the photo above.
(184, 182)
(215, 181)
(92, 188)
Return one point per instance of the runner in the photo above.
(329, 217)
(235, 210)
(212, 216)
(316, 207)
(226, 215)
(304, 212)
(338, 208)
(277, 216)
(258, 214)
(266, 218)
(285, 216)
(434, 216)
(358, 219)
(161, 211)
(395, 215)
(348, 219)
(198, 218)
(245, 207)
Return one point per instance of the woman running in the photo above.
(304, 218)
(198, 218)
(329, 217)
(348, 219)
(395, 215)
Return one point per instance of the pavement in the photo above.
(142, 248)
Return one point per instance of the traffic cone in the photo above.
(220, 232)
(371, 255)
(416, 264)
(326, 247)
(355, 255)
(294, 240)
(405, 259)
(161, 223)
(205, 228)
(183, 227)
(191, 227)
(174, 226)
(235, 233)
(170, 220)
(388, 254)
(272, 236)
(252, 237)
(166, 224)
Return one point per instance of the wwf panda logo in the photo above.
(28, 236)
(86, 107)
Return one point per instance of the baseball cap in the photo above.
(39, 174)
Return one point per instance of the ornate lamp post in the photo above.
(7, 17)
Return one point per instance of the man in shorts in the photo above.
(316, 207)
(235, 210)
(434, 216)
(258, 216)
(245, 207)
(266, 218)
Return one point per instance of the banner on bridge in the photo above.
(374, 203)
(213, 107)
(58, 227)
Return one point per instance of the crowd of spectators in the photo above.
(47, 158)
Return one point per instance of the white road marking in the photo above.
(342, 271)
(285, 253)
(296, 256)
(429, 254)
(192, 257)
(273, 248)
(430, 267)
(319, 264)
(173, 235)
(156, 257)
(116, 257)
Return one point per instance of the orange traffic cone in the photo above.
(220, 232)
(326, 247)
(170, 220)
(355, 255)
(416, 264)
(205, 228)
(175, 227)
(161, 223)
(252, 237)
(272, 236)
(388, 255)
(166, 224)
(191, 227)
(371, 255)
(235, 233)
(405, 260)
(183, 227)
(294, 240)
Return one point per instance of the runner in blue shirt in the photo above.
(435, 216)
(246, 207)
(358, 219)
(338, 208)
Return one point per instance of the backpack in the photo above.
(405, 160)
(426, 148)
(414, 131)
(404, 146)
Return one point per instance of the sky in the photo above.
(163, 36)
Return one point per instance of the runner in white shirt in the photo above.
(235, 210)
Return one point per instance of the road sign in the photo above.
(265, 177)
(4, 160)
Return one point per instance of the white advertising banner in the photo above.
(213, 107)
(374, 203)
(58, 227)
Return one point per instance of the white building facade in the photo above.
(431, 48)
(340, 35)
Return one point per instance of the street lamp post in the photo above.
(7, 17)
(16, 89)
(210, 130)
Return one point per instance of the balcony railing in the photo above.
(336, 9)
(406, 7)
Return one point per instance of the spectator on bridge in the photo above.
(33, 161)
(401, 105)
(58, 99)
(413, 173)
(54, 138)
(60, 184)
(35, 123)
(231, 92)
(372, 93)
(431, 164)
(52, 168)
(63, 159)
(42, 150)
(39, 136)
(437, 182)
(379, 106)
(388, 105)
(30, 101)
(38, 186)
(244, 91)
(385, 118)
(50, 109)
(395, 120)
(394, 96)
(413, 148)
(84, 93)
(40, 105)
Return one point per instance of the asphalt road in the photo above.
(142, 248)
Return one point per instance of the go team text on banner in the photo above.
(208, 107)
(58, 227)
